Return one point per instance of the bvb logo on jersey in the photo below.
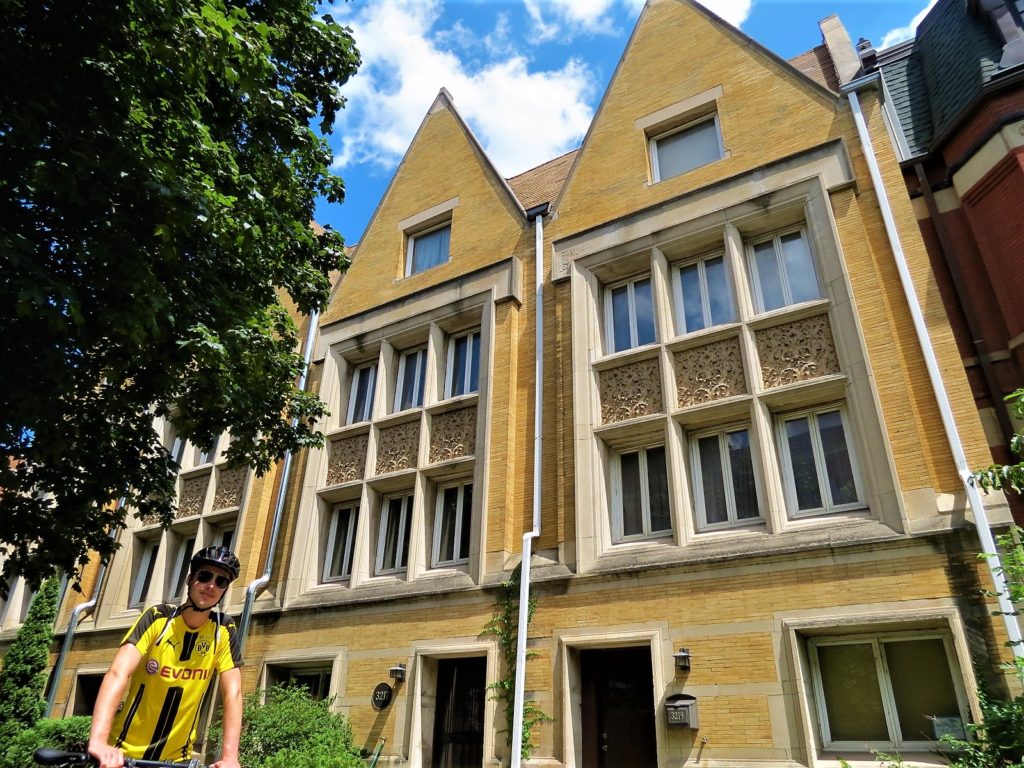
(203, 647)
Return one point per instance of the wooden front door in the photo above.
(459, 719)
(618, 708)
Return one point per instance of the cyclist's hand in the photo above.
(226, 763)
(106, 755)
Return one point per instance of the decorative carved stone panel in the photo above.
(711, 372)
(193, 495)
(797, 351)
(346, 459)
(630, 391)
(230, 485)
(397, 447)
(453, 435)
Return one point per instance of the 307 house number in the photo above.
(381, 696)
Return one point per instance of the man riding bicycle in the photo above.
(167, 662)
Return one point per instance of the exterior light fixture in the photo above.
(683, 659)
(397, 673)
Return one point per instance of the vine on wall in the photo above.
(504, 626)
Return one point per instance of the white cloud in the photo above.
(733, 11)
(521, 117)
(899, 34)
(567, 18)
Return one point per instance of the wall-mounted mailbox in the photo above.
(682, 711)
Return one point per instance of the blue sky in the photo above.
(525, 74)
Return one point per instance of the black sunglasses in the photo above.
(204, 576)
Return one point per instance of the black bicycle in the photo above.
(62, 759)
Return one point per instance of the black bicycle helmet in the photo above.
(222, 557)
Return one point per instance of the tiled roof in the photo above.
(543, 183)
(817, 65)
(936, 76)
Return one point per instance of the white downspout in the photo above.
(988, 545)
(533, 533)
(77, 615)
(257, 586)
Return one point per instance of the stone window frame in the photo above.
(407, 507)
(677, 292)
(595, 257)
(421, 353)
(348, 545)
(798, 628)
(752, 270)
(609, 314)
(145, 570)
(675, 118)
(786, 464)
(355, 472)
(354, 414)
(733, 522)
(461, 485)
(94, 671)
(180, 561)
(450, 375)
(414, 237)
(334, 658)
(882, 668)
(678, 130)
(617, 500)
(14, 609)
(432, 219)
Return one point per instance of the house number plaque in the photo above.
(381, 696)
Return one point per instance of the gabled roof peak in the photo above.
(443, 100)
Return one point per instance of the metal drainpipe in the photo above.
(77, 615)
(257, 586)
(529, 536)
(988, 545)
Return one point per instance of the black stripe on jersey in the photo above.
(164, 723)
(233, 642)
(188, 644)
(130, 716)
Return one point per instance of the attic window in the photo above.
(427, 237)
(428, 249)
(683, 149)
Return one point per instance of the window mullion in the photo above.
(821, 470)
(645, 492)
(634, 331)
(730, 492)
(332, 534)
(705, 300)
(783, 274)
(888, 698)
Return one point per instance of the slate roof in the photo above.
(543, 183)
(933, 78)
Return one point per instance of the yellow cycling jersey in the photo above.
(159, 716)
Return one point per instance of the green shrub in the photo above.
(71, 733)
(23, 677)
(291, 730)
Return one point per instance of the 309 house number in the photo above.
(381, 696)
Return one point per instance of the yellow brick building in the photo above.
(740, 453)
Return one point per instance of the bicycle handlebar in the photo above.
(58, 757)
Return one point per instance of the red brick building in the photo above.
(955, 101)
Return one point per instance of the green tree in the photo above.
(161, 163)
(23, 677)
(1008, 477)
(292, 730)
